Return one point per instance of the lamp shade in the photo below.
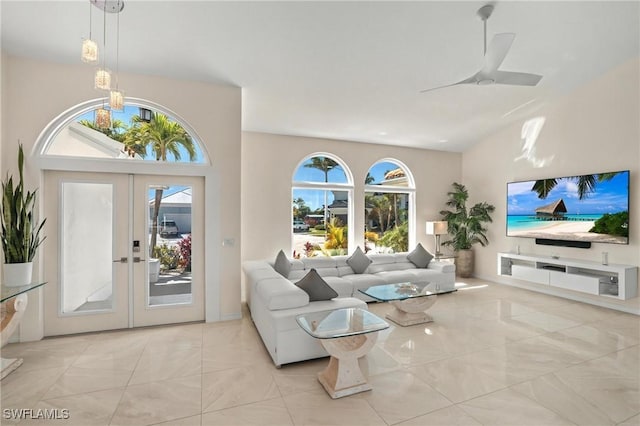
(116, 100)
(102, 79)
(103, 118)
(437, 227)
(89, 51)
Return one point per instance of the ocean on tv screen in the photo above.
(585, 208)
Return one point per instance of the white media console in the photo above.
(613, 280)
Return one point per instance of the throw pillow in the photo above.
(282, 265)
(316, 287)
(358, 261)
(420, 256)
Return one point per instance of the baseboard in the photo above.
(231, 317)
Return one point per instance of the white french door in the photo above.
(101, 272)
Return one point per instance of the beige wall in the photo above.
(268, 165)
(595, 129)
(37, 92)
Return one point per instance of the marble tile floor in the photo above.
(495, 355)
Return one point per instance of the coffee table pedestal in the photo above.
(346, 334)
(411, 311)
(343, 376)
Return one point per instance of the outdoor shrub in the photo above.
(397, 238)
(308, 249)
(371, 236)
(336, 235)
(184, 246)
(169, 256)
(319, 228)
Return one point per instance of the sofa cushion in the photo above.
(359, 261)
(420, 257)
(257, 275)
(316, 287)
(282, 264)
(343, 287)
(360, 280)
(395, 277)
(342, 266)
(297, 275)
(280, 293)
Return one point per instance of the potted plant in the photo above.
(466, 227)
(20, 231)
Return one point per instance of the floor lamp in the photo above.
(436, 229)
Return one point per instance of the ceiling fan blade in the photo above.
(465, 81)
(496, 52)
(516, 78)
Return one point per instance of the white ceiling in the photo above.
(349, 70)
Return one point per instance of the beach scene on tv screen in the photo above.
(579, 208)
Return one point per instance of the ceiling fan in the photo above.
(493, 57)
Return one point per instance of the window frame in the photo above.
(410, 190)
(327, 186)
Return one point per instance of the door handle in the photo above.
(136, 259)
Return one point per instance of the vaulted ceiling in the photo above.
(348, 70)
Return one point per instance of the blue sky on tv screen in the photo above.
(609, 196)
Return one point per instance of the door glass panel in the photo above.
(169, 224)
(87, 246)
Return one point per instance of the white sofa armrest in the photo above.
(441, 266)
(280, 293)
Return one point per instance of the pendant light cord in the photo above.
(118, 47)
(485, 37)
(104, 38)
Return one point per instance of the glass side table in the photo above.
(346, 334)
(12, 306)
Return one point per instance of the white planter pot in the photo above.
(17, 274)
(154, 270)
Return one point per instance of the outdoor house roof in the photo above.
(556, 208)
(177, 198)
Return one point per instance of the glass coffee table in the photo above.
(347, 334)
(13, 303)
(410, 300)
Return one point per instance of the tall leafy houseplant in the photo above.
(20, 229)
(466, 226)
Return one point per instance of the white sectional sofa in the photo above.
(275, 301)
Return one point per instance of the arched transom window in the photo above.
(137, 133)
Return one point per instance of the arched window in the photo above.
(129, 135)
(389, 207)
(322, 192)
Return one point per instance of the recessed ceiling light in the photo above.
(443, 141)
(382, 133)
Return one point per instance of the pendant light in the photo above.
(116, 97)
(103, 117)
(89, 47)
(102, 78)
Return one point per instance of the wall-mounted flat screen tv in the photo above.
(590, 208)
